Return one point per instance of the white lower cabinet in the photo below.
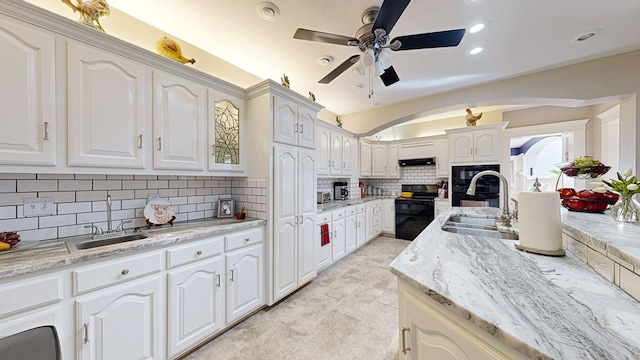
(377, 217)
(122, 322)
(196, 294)
(351, 230)
(389, 216)
(369, 225)
(338, 234)
(245, 281)
(322, 253)
(429, 331)
(361, 225)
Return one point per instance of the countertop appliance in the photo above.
(340, 190)
(487, 187)
(414, 213)
(323, 197)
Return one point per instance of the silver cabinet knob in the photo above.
(124, 271)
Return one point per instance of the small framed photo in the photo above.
(225, 208)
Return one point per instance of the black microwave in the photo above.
(487, 187)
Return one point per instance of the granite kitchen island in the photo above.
(524, 305)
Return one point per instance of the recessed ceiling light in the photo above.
(476, 28)
(325, 60)
(476, 50)
(267, 10)
(586, 35)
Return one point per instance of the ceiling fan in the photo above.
(373, 39)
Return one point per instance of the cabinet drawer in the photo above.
(114, 272)
(601, 264)
(337, 215)
(351, 210)
(192, 252)
(323, 218)
(245, 238)
(28, 294)
(361, 208)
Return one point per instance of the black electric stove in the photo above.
(415, 213)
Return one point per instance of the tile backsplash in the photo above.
(81, 200)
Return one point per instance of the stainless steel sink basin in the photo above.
(480, 232)
(461, 219)
(104, 240)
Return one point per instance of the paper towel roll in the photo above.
(539, 224)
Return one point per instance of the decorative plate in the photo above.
(159, 211)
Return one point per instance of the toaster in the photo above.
(323, 197)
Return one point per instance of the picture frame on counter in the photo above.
(225, 208)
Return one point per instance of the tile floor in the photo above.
(349, 311)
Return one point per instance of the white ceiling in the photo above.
(520, 37)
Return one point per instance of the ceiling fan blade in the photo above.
(389, 14)
(431, 40)
(389, 77)
(340, 69)
(311, 35)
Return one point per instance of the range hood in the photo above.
(416, 162)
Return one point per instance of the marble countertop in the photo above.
(28, 257)
(335, 204)
(544, 307)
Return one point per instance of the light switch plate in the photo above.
(39, 206)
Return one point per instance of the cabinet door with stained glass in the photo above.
(226, 141)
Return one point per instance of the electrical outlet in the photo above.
(39, 206)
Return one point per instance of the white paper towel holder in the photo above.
(559, 252)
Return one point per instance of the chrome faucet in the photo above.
(506, 215)
(109, 229)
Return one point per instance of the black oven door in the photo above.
(412, 216)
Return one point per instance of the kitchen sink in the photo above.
(104, 240)
(480, 232)
(481, 221)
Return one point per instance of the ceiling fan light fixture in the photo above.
(369, 58)
(379, 70)
(385, 58)
(359, 68)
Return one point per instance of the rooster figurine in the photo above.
(90, 11)
(169, 48)
(471, 119)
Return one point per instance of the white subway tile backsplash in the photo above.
(74, 208)
(8, 186)
(19, 224)
(81, 200)
(37, 185)
(15, 198)
(75, 185)
(39, 234)
(91, 195)
(57, 220)
(107, 185)
(8, 212)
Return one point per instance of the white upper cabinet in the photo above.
(442, 158)
(336, 154)
(378, 160)
(417, 149)
(227, 144)
(365, 159)
(108, 97)
(335, 151)
(393, 169)
(348, 153)
(476, 144)
(179, 123)
(28, 97)
(323, 150)
(293, 124)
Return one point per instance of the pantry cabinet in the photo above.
(28, 98)
(294, 216)
(179, 115)
(107, 109)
